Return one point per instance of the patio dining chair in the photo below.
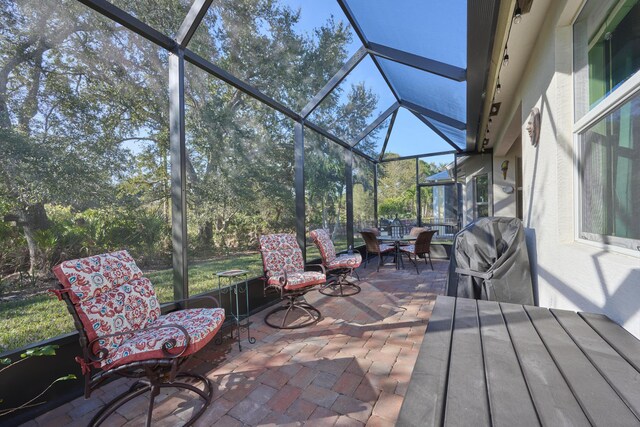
(420, 249)
(284, 271)
(122, 332)
(373, 246)
(339, 267)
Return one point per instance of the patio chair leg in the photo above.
(155, 390)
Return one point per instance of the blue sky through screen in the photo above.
(449, 24)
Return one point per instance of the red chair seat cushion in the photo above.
(299, 280)
(201, 323)
(346, 261)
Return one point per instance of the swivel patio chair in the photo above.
(122, 332)
(284, 272)
(421, 248)
(373, 246)
(338, 267)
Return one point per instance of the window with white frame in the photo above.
(607, 112)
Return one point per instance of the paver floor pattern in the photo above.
(350, 369)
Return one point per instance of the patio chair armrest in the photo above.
(208, 297)
(101, 353)
(283, 278)
(319, 266)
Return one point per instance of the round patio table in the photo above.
(397, 240)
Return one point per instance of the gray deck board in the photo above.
(425, 397)
(620, 339)
(467, 402)
(622, 377)
(485, 363)
(510, 402)
(551, 395)
(599, 401)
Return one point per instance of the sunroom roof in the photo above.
(410, 54)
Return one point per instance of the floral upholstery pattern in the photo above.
(386, 248)
(201, 323)
(299, 280)
(346, 261)
(322, 239)
(409, 248)
(125, 308)
(91, 276)
(111, 296)
(281, 253)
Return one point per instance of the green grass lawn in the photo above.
(42, 316)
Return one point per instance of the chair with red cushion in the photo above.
(338, 266)
(123, 333)
(284, 271)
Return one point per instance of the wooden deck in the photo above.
(494, 364)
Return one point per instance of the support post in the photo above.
(348, 179)
(375, 194)
(298, 150)
(178, 175)
(418, 196)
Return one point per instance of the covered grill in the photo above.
(490, 261)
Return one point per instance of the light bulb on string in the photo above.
(505, 58)
(517, 16)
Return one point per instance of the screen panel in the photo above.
(288, 49)
(435, 29)
(436, 93)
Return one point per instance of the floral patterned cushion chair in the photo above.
(338, 266)
(122, 331)
(284, 271)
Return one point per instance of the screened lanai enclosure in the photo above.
(183, 130)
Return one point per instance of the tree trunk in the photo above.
(32, 218)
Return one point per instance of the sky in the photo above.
(409, 136)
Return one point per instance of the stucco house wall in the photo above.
(570, 274)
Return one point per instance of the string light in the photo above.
(505, 58)
(517, 16)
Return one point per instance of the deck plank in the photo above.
(600, 402)
(552, 397)
(620, 375)
(510, 402)
(467, 402)
(619, 338)
(425, 398)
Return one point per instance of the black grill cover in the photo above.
(490, 261)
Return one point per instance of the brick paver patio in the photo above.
(350, 369)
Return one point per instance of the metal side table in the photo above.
(237, 283)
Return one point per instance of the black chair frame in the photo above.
(153, 374)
